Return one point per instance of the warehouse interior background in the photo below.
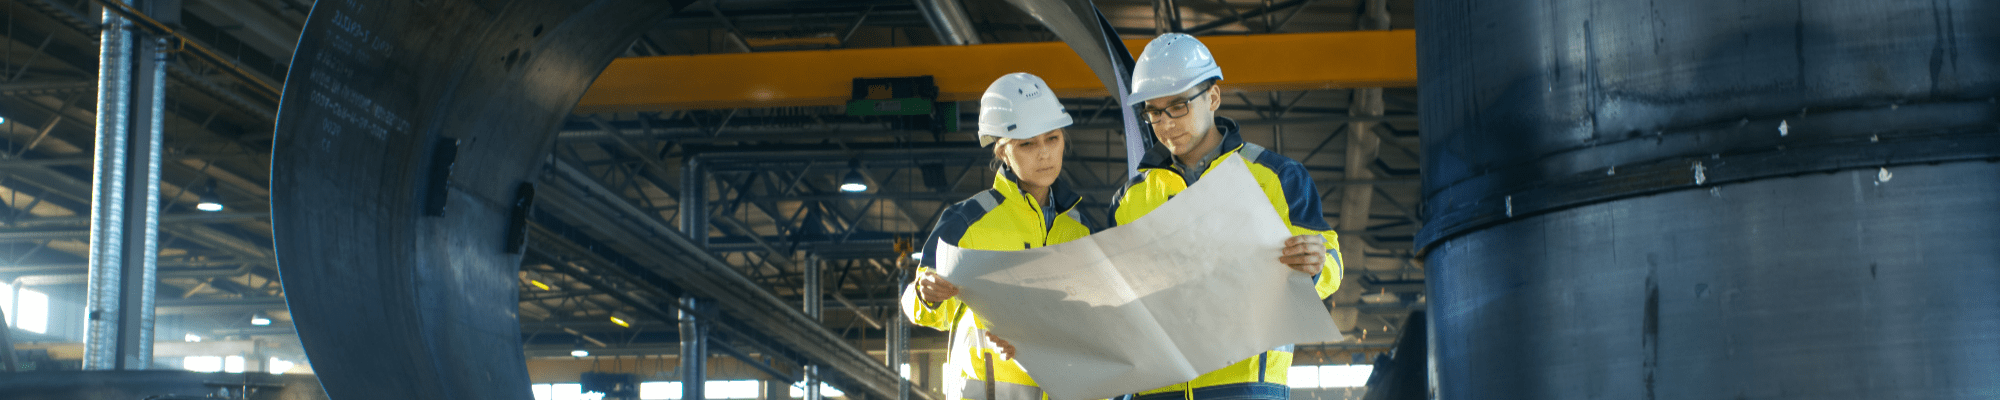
(771, 183)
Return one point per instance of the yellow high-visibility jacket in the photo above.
(1292, 193)
(1003, 218)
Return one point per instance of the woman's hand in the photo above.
(932, 288)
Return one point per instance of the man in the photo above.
(1028, 207)
(1176, 80)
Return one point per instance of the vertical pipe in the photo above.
(152, 73)
(107, 199)
(812, 308)
(777, 389)
(694, 202)
(1362, 148)
(694, 348)
(899, 336)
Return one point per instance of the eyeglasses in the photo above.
(1176, 110)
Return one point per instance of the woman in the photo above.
(1021, 120)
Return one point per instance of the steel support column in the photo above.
(694, 348)
(899, 335)
(694, 202)
(125, 197)
(813, 309)
(777, 390)
(1362, 146)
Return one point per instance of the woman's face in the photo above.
(1037, 160)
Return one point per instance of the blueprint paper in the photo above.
(1192, 287)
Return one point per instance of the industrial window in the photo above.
(26, 309)
(744, 389)
(799, 390)
(562, 391)
(541, 391)
(1329, 376)
(659, 390)
(279, 366)
(202, 363)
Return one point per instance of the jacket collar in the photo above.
(1060, 193)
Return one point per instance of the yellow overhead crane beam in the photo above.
(1293, 61)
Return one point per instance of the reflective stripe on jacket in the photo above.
(1291, 192)
(1002, 218)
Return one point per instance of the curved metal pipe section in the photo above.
(1085, 30)
(404, 131)
(948, 19)
(1711, 199)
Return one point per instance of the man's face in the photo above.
(1037, 160)
(1182, 121)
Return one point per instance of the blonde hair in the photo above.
(999, 161)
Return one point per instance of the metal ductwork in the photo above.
(125, 193)
(1633, 199)
(948, 19)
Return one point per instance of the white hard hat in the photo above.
(1171, 64)
(1019, 106)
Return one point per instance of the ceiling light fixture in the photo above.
(210, 202)
(854, 182)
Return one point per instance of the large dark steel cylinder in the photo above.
(405, 130)
(1633, 199)
(406, 135)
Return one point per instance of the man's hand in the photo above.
(1305, 253)
(1006, 349)
(932, 288)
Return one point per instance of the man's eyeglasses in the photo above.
(1177, 110)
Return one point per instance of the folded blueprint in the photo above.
(1192, 287)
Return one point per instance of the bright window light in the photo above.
(279, 366)
(730, 389)
(571, 391)
(799, 390)
(541, 391)
(905, 369)
(34, 310)
(664, 390)
(232, 364)
(202, 363)
(1340, 376)
(191, 338)
(1303, 377)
